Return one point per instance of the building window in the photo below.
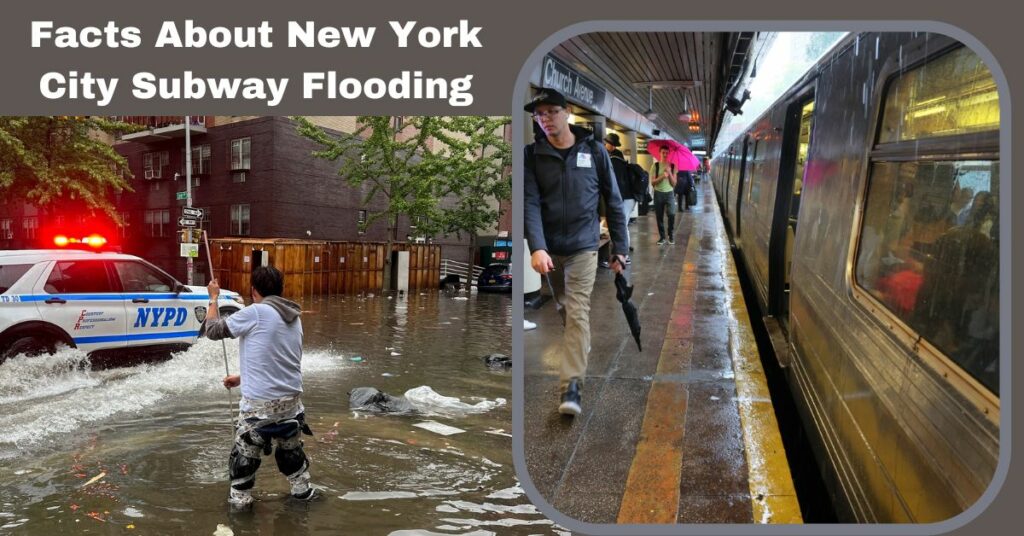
(30, 225)
(240, 154)
(154, 164)
(200, 160)
(158, 222)
(240, 220)
(929, 241)
(361, 222)
(6, 232)
(238, 176)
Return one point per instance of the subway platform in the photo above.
(683, 432)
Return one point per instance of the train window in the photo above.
(955, 94)
(929, 242)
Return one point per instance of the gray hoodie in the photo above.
(289, 311)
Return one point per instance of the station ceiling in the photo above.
(680, 72)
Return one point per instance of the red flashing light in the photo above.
(94, 240)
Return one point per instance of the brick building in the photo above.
(252, 176)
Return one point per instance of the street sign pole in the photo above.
(188, 185)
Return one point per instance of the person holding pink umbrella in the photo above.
(663, 180)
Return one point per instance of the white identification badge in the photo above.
(583, 160)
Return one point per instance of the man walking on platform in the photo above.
(566, 171)
(622, 178)
(663, 179)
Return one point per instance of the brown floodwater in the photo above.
(143, 449)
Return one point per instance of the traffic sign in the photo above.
(190, 250)
(193, 212)
(182, 196)
(187, 222)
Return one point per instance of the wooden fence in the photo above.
(318, 268)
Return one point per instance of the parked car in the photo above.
(496, 277)
(97, 301)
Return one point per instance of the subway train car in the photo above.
(863, 205)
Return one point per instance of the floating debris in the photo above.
(498, 432)
(422, 532)
(95, 478)
(508, 493)
(387, 374)
(393, 354)
(715, 398)
(426, 400)
(377, 495)
(223, 530)
(355, 359)
(438, 428)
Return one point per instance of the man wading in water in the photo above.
(270, 358)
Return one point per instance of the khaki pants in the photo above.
(577, 283)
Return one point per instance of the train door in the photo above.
(795, 144)
(725, 182)
(744, 166)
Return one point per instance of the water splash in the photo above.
(89, 397)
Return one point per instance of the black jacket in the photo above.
(561, 197)
(621, 168)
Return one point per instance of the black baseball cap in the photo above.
(546, 96)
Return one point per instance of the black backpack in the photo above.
(638, 179)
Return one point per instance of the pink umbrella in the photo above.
(678, 154)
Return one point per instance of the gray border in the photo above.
(1005, 309)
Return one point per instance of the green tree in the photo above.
(394, 157)
(62, 161)
(441, 172)
(476, 175)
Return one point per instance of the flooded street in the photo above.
(144, 449)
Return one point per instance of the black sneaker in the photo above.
(661, 242)
(604, 264)
(571, 399)
(672, 241)
(629, 260)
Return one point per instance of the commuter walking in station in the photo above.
(684, 183)
(566, 172)
(622, 178)
(663, 180)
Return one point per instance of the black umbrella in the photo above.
(558, 305)
(624, 291)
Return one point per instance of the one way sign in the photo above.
(187, 222)
(192, 212)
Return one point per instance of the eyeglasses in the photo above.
(550, 113)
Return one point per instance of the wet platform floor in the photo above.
(682, 432)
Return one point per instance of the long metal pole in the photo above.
(223, 345)
(188, 189)
(209, 262)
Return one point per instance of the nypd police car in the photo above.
(98, 302)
